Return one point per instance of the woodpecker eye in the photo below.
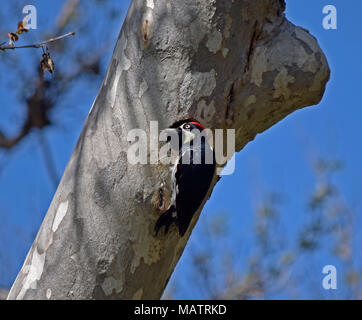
(187, 126)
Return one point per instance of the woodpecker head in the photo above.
(185, 130)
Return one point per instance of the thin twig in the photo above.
(39, 44)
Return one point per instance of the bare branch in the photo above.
(39, 44)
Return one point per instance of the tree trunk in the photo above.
(229, 64)
(3, 294)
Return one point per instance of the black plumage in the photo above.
(191, 177)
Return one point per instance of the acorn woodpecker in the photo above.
(191, 174)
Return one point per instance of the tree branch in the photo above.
(39, 44)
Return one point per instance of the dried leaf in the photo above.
(21, 27)
(50, 64)
(12, 38)
(47, 63)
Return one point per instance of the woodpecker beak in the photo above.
(188, 136)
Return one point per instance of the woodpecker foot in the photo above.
(166, 219)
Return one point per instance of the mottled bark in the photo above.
(229, 64)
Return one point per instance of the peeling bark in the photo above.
(229, 64)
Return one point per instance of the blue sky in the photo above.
(279, 159)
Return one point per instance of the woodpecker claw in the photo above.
(166, 219)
